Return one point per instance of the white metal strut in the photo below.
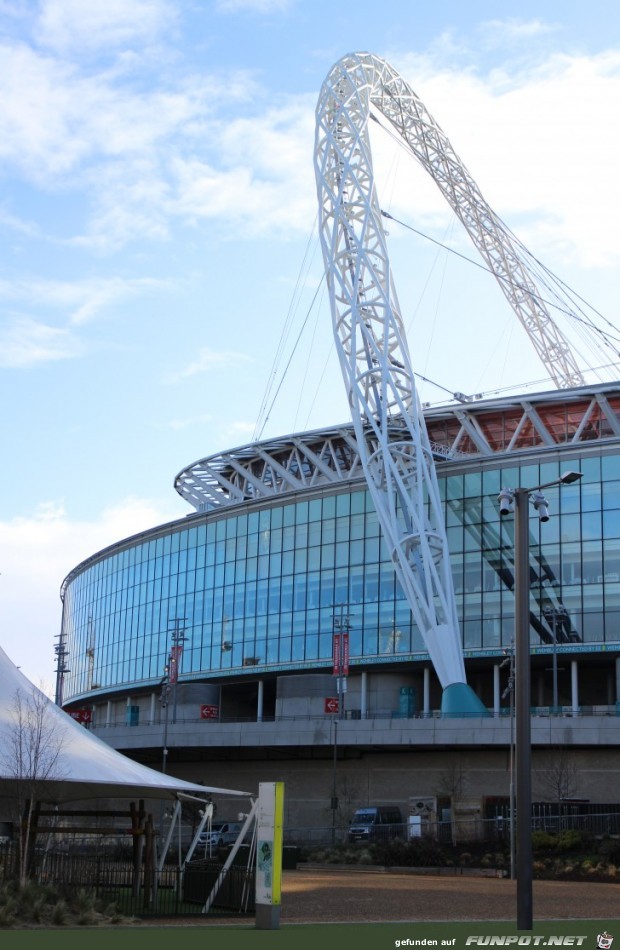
(394, 447)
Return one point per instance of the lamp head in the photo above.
(505, 499)
(540, 504)
(568, 477)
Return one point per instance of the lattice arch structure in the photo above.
(395, 451)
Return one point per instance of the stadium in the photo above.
(338, 609)
(239, 602)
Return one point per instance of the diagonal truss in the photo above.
(503, 253)
(395, 451)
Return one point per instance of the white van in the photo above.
(377, 823)
(222, 833)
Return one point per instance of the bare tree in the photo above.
(558, 780)
(32, 759)
(452, 783)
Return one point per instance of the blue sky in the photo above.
(157, 227)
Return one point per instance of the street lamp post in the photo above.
(342, 627)
(521, 498)
(334, 802)
(164, 699)
(178, 638)
(510, 692)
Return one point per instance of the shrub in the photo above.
(562, 841)
(609, 848)
(421, 852)
(36, 904)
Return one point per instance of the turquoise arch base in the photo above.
(459, 699)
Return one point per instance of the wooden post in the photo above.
(149, 861)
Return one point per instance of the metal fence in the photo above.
(183, 891)
(545, 817)
(175, 891)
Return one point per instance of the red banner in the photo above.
(207, 711)
(81, 715)
(341, 654)
(175, 662)
(336, 652)
(331, 704)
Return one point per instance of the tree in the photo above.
(452, 783)
(558, 780)
(32, 759)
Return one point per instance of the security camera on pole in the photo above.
(517, 500)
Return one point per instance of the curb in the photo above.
(395, 869)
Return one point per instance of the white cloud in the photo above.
(242, 428)
(208, 360)
(253, 6)
(189, 422)
(75, 26)
(25, 342)
(539, 145)
(145, 158)
(499, 32)
(268, 188)
(57, 120)
(43, 548)
(78, 301)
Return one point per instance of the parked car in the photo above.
(222, 833)
(377, 823)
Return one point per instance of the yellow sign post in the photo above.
(269, 839)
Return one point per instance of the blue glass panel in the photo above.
(591, 525)
(358, 502)
(314, 510)
(263, 566)
(610, 467)
(357, 527)
(593, 626)
(343, 505)
(356, 553)
(570, 529)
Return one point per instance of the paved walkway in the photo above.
(315, 896)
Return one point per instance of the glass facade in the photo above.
(260, 588)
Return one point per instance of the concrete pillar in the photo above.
(574, 685)
(152, 709)
(108, 713)
(364, 696)
(260, 700)
(496, 690)
(426, 710)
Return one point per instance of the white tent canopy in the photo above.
(87, 767)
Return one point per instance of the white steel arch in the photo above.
(394, 447)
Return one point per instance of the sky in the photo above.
(161, 284)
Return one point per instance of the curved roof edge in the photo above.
(480, 429)
(471, 428)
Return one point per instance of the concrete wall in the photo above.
(393, 778)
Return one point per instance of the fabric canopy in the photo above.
(87, 767)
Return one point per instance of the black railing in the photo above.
(544, 712)
(139, 893)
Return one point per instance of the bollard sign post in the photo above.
(269, 836)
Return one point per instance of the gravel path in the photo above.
(339, 896)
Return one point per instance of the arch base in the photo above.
(459, 700)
